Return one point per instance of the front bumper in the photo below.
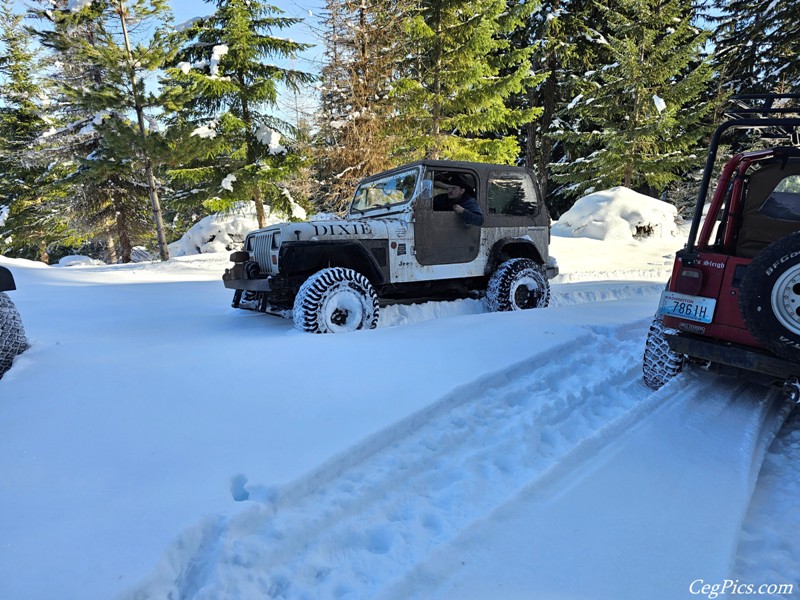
(232, 282)
(236, 278)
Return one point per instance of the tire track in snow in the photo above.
(371, 515)
(415, 485)
(651, 512)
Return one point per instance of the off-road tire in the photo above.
(336, 300)
(769, 297)
(660, 363)
(12, 334)
(518, 284)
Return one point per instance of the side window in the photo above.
(443, 179)
(784, 201)
(512, 194)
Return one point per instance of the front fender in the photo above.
(297, 258)
(6, 280)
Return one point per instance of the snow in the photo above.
(271, 139)
(217, 233)
(661, 106)
(207, 131)
(618, 214)
(78, 5)
(157, 443)
(224, 232)
(78, 261)
(217, 52)
(227, 182)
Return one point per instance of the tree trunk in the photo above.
(548, 112)
(125, 246)
(259, 202)
(43, 255)
(258, 197)
(111, 250)
(152, 184)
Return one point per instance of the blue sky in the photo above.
(307, 10)
(305, 32)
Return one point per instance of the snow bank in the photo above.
(223, 232)
(78, 261)
(618, 214)
(219, 232)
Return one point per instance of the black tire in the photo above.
(336, 300)
(12, 334)
(769, 297)
(660, 363)
(518, 284)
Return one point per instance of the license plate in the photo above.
(691, 308)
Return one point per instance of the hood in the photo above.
(331, 230)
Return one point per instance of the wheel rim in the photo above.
(786, 299)
(526, 293)
(344, 311)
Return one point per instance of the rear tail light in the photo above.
(689, 281)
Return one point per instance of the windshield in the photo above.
(386, 191)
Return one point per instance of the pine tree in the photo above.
(119, 51)
(30, 223)
(757, 44)
(364, 42)
(564, 40)
(225, 84)
(639, 118)
(453, 98)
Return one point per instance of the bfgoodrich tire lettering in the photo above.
(518, 284)
(659, 364)
(769, 297)
(12, 334)
(336, 300)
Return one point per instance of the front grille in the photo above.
(261, 247)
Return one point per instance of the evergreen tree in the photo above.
(120, 50)
(29, 222)
(363, 45)
(224, 85)
(757, 45)
(639, 119)
(453, 98)
(565, 42)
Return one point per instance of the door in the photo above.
(440, 236)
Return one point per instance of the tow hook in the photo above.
(791, 387)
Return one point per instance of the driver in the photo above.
(460, 199)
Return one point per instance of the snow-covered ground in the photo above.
(156, 443)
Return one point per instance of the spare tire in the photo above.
(769, 297)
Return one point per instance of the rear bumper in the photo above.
(551, 271)
(726, 357)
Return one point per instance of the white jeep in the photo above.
(397, 245)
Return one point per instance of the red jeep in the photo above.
(733, 301)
